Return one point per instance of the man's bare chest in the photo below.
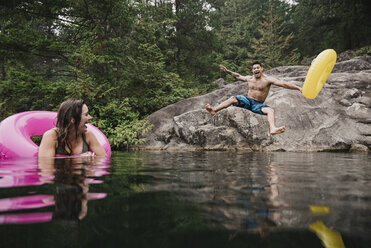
(259, 85)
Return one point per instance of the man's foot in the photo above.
(278, 130)
(210, 109)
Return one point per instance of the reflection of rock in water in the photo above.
(233, 189)
(314, 180)
(264, 192)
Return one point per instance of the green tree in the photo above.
(273, 48)
(195, 40)
(31, 57)
(99, 51)
(340, 25)
(240, 23)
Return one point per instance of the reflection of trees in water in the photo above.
(251, 198)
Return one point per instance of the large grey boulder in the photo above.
(339, 118)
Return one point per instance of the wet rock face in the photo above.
(338, 118)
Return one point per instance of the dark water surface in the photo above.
(188, 199)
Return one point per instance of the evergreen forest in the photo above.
(129, 58)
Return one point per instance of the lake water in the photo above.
(188, 199)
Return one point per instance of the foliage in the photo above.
(341, 25)
(195, 40)
(121, 125)
(363, 51)
(273, 48)
(256, 31)
(97, 51)
(239, 22)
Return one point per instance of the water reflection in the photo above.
(30, 218)
(70, 177)
(192, 199)
(19, 173)
(329, 237)
(268, 192)
(238, 191)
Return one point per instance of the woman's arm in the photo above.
(94, 145)
(48, 144)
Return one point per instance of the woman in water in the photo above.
(70, 136)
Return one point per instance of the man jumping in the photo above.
(259, 85)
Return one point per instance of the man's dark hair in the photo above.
(256, 63)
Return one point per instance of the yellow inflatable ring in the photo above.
(318, 73)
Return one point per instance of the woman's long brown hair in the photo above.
(69, 110)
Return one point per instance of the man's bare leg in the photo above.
(272, 126)
(221, 106)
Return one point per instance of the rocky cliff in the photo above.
(339, 118)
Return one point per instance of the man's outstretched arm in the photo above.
(233, 74)
(280, 83)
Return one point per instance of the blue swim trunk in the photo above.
(250, 104)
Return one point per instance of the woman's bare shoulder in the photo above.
(89, 135)
(51, 133)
